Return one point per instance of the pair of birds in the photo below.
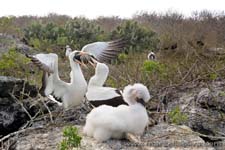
(73, 93)
(105, 121)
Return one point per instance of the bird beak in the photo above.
(81, 63)
(93, 62)
(83, 53)
(84, 58)
(77, 59)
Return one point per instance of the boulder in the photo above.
(15, 97)
(160, 137)
(205, 108)
(12, 116)
(11, 41)
(16, 86)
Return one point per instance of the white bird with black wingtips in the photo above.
(151, 56)
(72, 94)
(97, 94)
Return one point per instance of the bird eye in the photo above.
(77, 56)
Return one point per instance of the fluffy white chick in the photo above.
(105, 122)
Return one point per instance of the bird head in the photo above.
(84, 58)
(151, 56)
(137, 93)
(101, 69)
(68, 50)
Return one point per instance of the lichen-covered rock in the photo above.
(10, 85)
(205, 108)
(11, 41)
(12, 116)
(159, 137)
(13, 94)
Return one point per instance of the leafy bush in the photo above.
(34, 31)
(13, 63)
(71, 138)
(139, 38)
(176, 116)
(7, 26)
(81, 31)
(154, 67)
(52, 37)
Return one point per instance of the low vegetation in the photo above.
(187, 49)
(176, 116)
(71, 139)
(14, 63)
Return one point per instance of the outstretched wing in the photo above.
(45, 62)
(51, 83)
(105, 51)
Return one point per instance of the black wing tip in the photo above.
(28, 55)
(119, 41)
(44, 83)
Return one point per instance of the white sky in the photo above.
(95, 8)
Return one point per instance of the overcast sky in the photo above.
(95, 8)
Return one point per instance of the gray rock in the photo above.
(6, 42)
(12, 114)
(16, 86)
(205, 107)
(160, 137)
(11, 41)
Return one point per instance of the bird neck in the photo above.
(98, 80)
(56, 71)
(77, 74)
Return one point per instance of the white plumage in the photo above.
(96, 90)
(72, 94)
(68, 50)
(151, 56)
(97, 94)
(105, 122)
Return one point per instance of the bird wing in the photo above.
(101, 93)
(105, 51)
(44, 61)
(51, 83)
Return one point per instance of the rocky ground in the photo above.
(162, 136)
(29, 121)
(202, 103)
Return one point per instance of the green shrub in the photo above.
(212, 76)
(13, 63)
(71, 138)
(176, 116)
(51, 37)
(154, 67)
(139, 38)
(81, 31)
(62, 41)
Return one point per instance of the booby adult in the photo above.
(151, 56)
(72, 93)
(99, 95)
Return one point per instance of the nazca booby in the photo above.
(72, 94)
(97, 94)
